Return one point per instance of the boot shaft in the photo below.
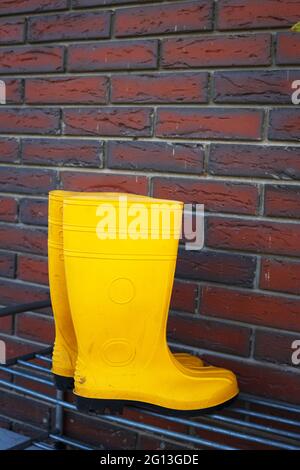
(119, 288)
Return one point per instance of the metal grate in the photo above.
(248, 423)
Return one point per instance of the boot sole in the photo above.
(116, 407)
(63, 383)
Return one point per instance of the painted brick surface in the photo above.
(165, 88)
(173, 18)
(113, 56)
(62, 152)
(210, 123)
(225, 51)
(12, 30)
(70, 90)
(254, 14)
(69, 26)
(27, 59)
(159, 156)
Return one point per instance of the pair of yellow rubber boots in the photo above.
(112, 260)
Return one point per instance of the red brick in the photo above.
(4, 423)
(184, 296)
(266, 161)
(215, 195)
(248, 14)
(76, 181)
(227, 268)
(65, 152)
(250, 307)
(48, 390)
(9, 149)
(210, 334)
(29, 121)
(282, 201)
(259, 236)
(18, 407)
(147, 442)
(35, 327)
(288, 48)
(160, 88)
(34, 211)
(110, 121)
(210, 123)
(6, 325)
(227, 438)
(156, 156)
(274, 347)
(25, 180)
(33, 269)
(24, 6)
(267, 86)
(11, 30)
(8, 209)
(173, 18)
(69, 26)
(259, 379)
(280, 275)
(113, 56)
(97, 432)
(19, 238)
(7, 264)
(14, 292)
(216, 51)
(284, 124)
(13, 90)
(31, 59)
(69, 90)
(45, 389)
(15, 346)
(138, 416)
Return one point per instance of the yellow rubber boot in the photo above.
(119, 291)
(65, 346)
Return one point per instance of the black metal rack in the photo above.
(249, 423)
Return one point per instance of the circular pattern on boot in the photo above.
(118, 352)
(121, 290)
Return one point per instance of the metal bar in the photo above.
(41, 445)
(173, 434)
(272, 403)
(15, 309)
(26, 376)
(207, 427)
(33, 366)
(58, 422)
(59, 413)
(44, 358)
(35, 394)
(181, 347)
(28, 356)
(70, 442)
(123, 421)
(259, 427)
(258, 414)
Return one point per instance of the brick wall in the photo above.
(185, 99)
